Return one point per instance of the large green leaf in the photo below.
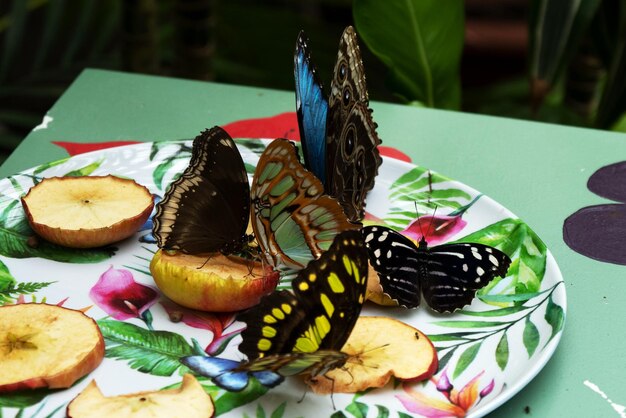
(528, 254)
(420, 41)
(555, 31)
(153, 352)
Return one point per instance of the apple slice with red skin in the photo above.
(87, 211)
(46, 346)
(188, 401)
(379, 348)
(212, 282)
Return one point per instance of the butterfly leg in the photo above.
(205, 262)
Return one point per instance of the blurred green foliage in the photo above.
(412, 52)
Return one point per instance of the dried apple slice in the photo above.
(46, 346)
(375, 292)
(86, 212)
(212, 282)
(188, 401)
(379, 347)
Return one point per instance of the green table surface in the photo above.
(538, 171)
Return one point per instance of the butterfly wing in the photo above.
(456, 271)
(359, 159)
(396, 260)
(311, 108)
(293, 220)
(295, 363)
(352, 142)
(225, 373)
(320, 312)
(207, 208)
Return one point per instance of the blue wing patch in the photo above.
(312, 110)
(220, 371)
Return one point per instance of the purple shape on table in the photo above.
(610, 182)
(598, 232)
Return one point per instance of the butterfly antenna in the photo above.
(304, 394)
(205, 262)
(430, 185)
(419, 221)
(431, 220)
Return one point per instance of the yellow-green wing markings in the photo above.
(320, 312)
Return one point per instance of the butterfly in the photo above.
(293, 220)
(207, 208)
(447, 275)
(299, 331)
(338, 134)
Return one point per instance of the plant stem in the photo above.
(507, 324)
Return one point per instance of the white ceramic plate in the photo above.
(487, 352)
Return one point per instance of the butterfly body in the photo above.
(207, 208)
(447, 275)
(350, 154)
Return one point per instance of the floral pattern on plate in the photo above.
(487, 351)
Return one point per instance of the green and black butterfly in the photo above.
(299, 331)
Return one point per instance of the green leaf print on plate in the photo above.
(153, 352)
(527, 252)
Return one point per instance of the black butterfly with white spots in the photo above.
(447, 275)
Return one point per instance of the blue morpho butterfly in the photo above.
(208, 208)
(338, 135)
(298, 332)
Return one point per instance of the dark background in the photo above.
(45, 44)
